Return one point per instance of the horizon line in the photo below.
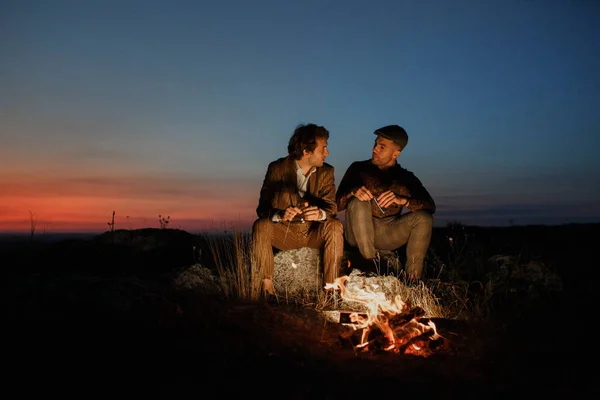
(201, 231)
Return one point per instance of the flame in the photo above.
(379, 311)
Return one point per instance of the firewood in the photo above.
(423, 336)
(400, 320)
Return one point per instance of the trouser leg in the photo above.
(329, 236)
(413, 229)
(418, 242)
(360, 231)
(266, 234)
(262, 240)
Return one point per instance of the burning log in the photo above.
(419, 341)
(388, 325)
(399, 320)
(400, 333)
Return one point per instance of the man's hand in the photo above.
(363, 194)
(290, 213)
(388, 198)
(312, 213)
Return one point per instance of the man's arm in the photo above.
(327, 194)
(349, 184)
(411, 187)
(265, 201)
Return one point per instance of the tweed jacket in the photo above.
(397, 179)
(280, 189)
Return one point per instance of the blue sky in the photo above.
(177, 107)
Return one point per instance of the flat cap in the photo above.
(395, 133)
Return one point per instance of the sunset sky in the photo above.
(176, 107)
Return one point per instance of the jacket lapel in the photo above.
(312, 182)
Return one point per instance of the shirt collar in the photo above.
(299, 169)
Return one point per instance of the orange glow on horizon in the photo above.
(89, 214)
(80, 201)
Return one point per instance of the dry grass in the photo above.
(240, 278)
(236, 265)
(467, 284)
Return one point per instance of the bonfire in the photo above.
(385, 324)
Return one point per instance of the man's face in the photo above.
(385, 152)
(317, 157)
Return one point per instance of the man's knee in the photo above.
(356, 205)
(261, 226)
(334, 226)
(422, 217)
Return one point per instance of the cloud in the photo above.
(140, 186)
(519, 213)
(86, 201)
(96, 154)
(6, 211)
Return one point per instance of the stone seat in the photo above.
(297, 273)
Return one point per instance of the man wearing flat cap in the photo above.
(375, 192)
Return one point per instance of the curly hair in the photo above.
(305, 138)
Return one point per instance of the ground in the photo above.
(92, 335)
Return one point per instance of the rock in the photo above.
(198, 279)
(365, 290)
(297, 273)
(528, 275)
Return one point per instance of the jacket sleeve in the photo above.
(410, 186)
(265, 202)
(350, 183)
(327, 194)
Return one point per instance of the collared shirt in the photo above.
(302, 179)
(302, 183)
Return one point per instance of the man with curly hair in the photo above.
(297, 206)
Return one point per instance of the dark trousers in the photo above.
(327, 236)
(370, 234)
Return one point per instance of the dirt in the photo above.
(104, 332)
(207, 346)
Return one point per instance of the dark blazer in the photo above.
(280, 189)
